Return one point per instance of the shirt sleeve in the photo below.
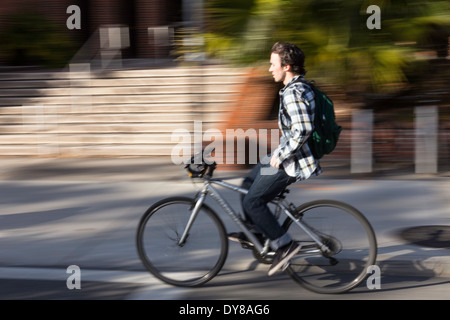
(296, 105)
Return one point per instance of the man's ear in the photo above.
(287, 68)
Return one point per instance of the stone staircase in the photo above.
(112, 113)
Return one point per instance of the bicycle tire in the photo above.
(194, 263)
(346, 266)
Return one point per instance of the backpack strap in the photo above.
(302, 80)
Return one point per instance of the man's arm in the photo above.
(295, 102)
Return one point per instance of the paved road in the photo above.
(52, 217)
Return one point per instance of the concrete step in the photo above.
(94, 128)
(172, 108)
(95, 118)
(105, 138)
(120, 82)
(55, 128)
(76, 151)
(79, 72)
(115, 113)
(117, 100)
(116, 90)
(102, 109)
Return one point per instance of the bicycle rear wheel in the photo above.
(195, 262)
(350, 238)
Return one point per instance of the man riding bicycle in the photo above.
(292, 159)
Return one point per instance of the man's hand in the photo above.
(274, 162)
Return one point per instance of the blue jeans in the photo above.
(263, 188)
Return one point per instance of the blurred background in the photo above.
(135, 71)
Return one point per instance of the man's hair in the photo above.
(290, 55)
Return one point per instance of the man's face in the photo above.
(278, 71)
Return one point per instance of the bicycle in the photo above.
(183, 242)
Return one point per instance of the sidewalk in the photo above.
(393, 203)
(162, 168)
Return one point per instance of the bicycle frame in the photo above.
(329, 232)
(263, 249)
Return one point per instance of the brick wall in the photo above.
(139, 15)
(149, 14)
(102, 12)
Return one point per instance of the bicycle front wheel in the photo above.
(349, 237)
(194, 262)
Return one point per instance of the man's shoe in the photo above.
(283, 255)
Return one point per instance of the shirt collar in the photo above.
(295, 78)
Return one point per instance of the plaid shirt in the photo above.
(296, 122)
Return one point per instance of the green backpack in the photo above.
(326, 132)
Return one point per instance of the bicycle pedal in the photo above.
(246, 245)
(285, 266)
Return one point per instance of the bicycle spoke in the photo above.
(199, 258)
(350, 243)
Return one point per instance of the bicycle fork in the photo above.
(197, 204)
(200, 199)
(222, 202)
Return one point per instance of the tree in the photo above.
(334, 35)
(30, 39)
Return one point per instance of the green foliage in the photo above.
(30, 39)
(332, 33)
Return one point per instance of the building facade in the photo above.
(140, 16)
